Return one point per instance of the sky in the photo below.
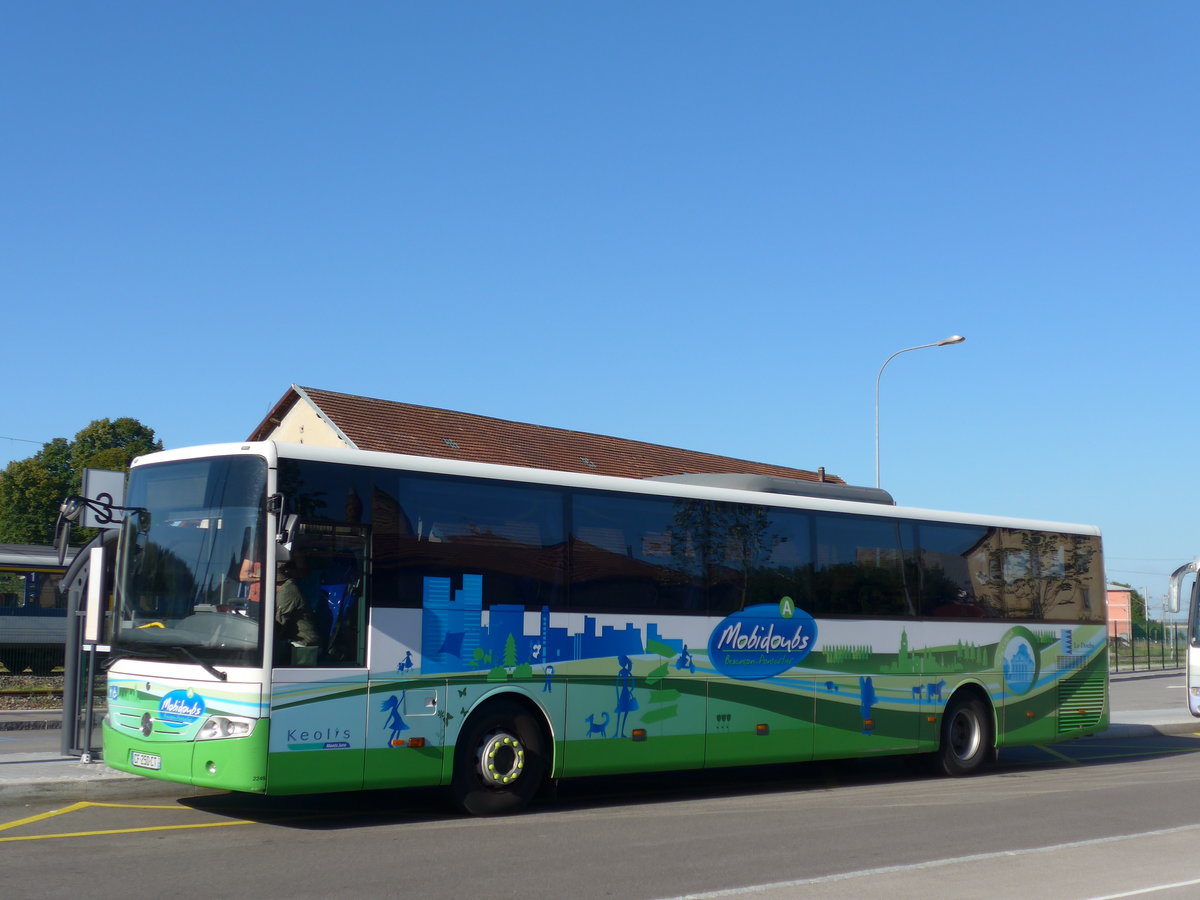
(705, 225)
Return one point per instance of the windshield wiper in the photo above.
(192, 657)
(118, 654)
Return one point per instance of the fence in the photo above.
(1155, 645)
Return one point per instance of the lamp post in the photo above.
(944, 342)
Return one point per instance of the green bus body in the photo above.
(487, 628)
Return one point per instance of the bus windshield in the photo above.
(190, 568)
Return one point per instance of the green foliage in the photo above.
(32, 489)
(30, 492)
(112, 442)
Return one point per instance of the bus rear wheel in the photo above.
(499, 760)
(967, 745)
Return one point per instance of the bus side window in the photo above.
(760, 555)
(636, 554)
(334, 581)
(946, 586)
(861, 566)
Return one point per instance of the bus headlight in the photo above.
(217, 727)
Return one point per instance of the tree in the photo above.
(32, 489)
(30, 492)
(111, 444)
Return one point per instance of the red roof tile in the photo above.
(392, 427)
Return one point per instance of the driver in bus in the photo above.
(296, 640)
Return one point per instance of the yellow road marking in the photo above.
(46, 815)
(1167, 751)
(76, 834)
(1158, 751)
(75, 807)
(1058, 755)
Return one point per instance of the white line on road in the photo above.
(951, 861)
(1149, 890)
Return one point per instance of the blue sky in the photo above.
(699, 224)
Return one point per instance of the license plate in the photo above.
(145, 760)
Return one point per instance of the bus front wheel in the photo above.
(499, 760)
(967, 745)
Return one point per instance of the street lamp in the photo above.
(953, 339)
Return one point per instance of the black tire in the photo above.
(500, 760)
(967, 745)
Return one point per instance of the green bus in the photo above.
(292, 619)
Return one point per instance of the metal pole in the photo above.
(86, 743)
(953, 339)
(71, 653)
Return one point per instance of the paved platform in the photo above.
(48, 776)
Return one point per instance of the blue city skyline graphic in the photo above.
(454, 638)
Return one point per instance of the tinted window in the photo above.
(641, 554)
(758, 555)
(1039, 575)
(948, 553)
(860, 566)
(435, 531)
(330, 548)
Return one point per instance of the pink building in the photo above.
(1120, 612)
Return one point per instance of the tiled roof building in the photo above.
(313, 416)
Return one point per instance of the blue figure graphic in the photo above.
(407, 662)
(600, 728)
(626, 702)
(685, 661)
(394, 720)
(548, 687)
(866, 701)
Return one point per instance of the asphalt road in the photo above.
(1089, 819)
(1082, 820)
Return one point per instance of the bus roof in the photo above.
(272, 451)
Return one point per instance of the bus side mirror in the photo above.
(287, 532)
(1173, 587)
(69, 512)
